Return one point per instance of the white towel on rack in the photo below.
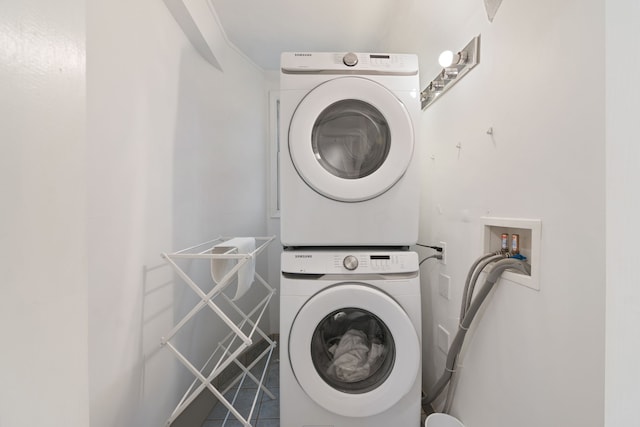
(246, 273)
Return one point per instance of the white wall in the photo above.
(176, 155)
(534, 358)
(272, 83)
(43, 260)
(623, 211)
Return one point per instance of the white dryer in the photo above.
(350, 333)
(348, 162)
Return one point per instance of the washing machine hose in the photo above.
(456, 345)
(472, 277)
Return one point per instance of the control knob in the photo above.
(350, 262)
(350, 59)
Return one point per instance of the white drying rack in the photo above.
(207, 374)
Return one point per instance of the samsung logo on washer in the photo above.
(304, 256)
(301, 54)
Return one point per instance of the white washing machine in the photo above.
(350, 332)
(348, 162)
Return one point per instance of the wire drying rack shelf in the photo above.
(242, 332)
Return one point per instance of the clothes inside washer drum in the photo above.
(353, 357)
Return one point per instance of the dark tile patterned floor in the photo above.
(266, 412)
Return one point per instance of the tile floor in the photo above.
(267, 410)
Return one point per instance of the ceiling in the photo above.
(263, 29)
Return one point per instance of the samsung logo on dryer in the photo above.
(301, 54)
(303, 256)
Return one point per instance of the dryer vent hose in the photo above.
(495, 273)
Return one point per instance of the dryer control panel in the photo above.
(349, 262)
(349, 63)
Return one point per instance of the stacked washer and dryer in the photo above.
(350, 319)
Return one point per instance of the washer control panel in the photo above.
(348, 262)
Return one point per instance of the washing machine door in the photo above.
(354, 350)
(351, 139)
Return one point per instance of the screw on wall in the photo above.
(490, 133)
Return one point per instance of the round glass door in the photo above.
(356, 359)
(353, 350)
(351, 139)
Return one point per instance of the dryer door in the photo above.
(354, 350)
(351, 139)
